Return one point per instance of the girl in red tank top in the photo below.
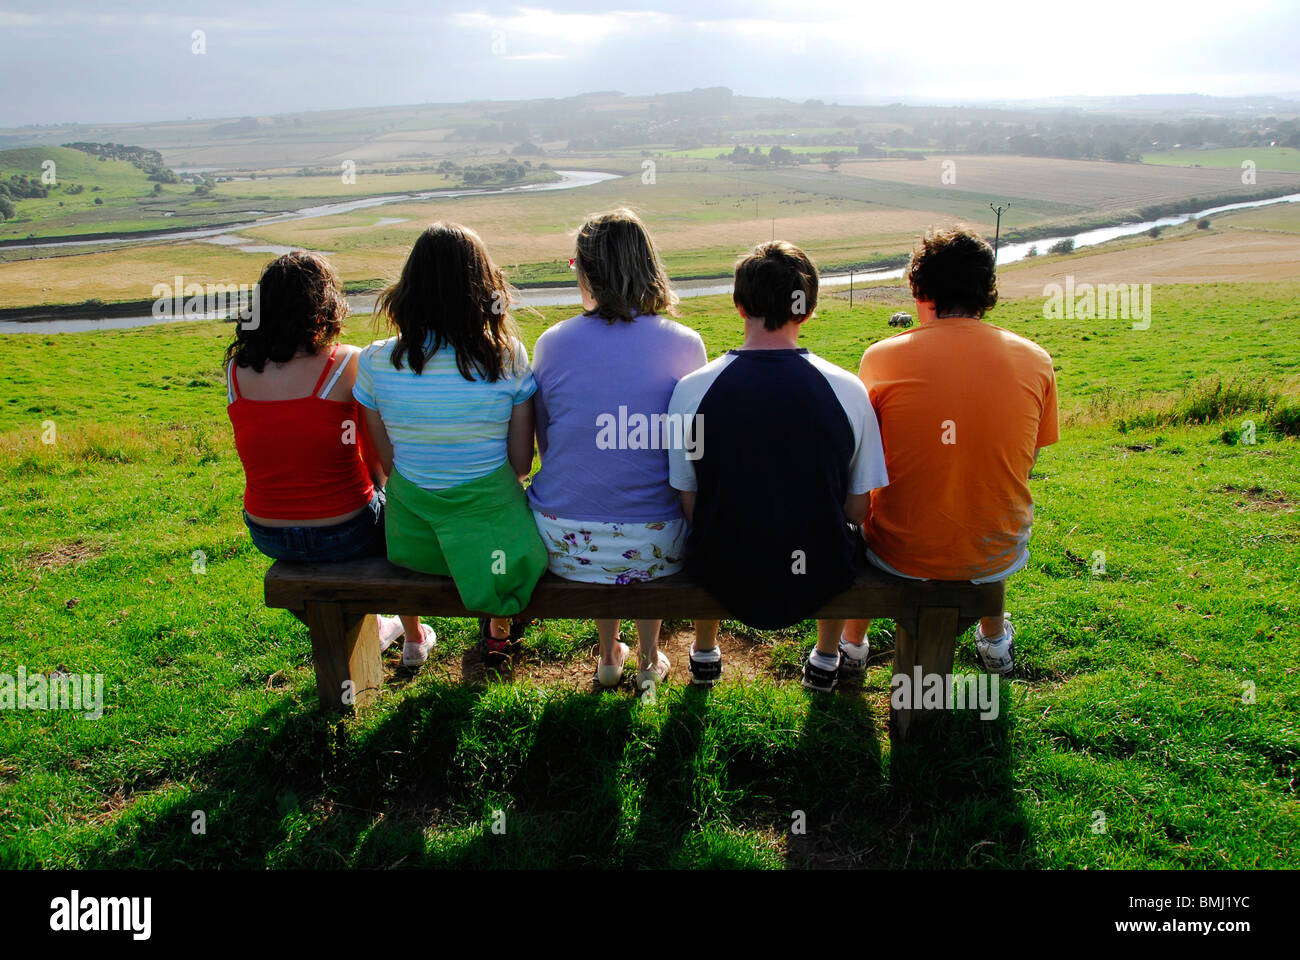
(313, 484)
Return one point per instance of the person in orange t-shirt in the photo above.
(964, 407)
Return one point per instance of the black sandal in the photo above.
(490, 647)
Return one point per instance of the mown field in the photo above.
(1157, 699)
(1264, 158)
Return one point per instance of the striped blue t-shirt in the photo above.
(445, 430)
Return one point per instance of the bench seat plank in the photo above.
(374, 585)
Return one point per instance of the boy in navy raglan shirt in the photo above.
(789, 453)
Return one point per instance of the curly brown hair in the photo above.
(777, 282)
(300, 308)
(617, 261)
(450, 292)
(953, 266)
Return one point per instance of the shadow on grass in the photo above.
(511, 775)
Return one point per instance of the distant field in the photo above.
(1264, 158)
(123, 275)
(1183, 255)
(1283, 216)
(1093, 185)
(711, 153)
(365, 184)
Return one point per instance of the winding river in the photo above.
(561, 296)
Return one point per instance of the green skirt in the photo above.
(481, 534)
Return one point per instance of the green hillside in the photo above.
(87, 195)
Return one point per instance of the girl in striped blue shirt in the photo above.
(449, 403)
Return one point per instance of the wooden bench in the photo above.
(333, 600)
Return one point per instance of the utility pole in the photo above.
(850, 289)
(997, 230)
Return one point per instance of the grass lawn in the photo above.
(1151, 721)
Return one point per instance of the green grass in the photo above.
(1128, 697)
(1264, 158)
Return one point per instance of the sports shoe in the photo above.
(819, 678)
(390, 628)
(705, 673)
(414, 654)
(853, 656)
(997, 656)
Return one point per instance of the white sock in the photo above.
(819, 659)
(857, 651)
(991, 641)
(706, 656)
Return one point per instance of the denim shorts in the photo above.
(361, 536)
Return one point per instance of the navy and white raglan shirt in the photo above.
(781, 439)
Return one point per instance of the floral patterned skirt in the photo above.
(612, 552)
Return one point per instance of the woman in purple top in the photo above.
(604, 378)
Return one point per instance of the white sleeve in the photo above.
(684, 403)
(867, 468)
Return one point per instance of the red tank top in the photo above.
(302, 457)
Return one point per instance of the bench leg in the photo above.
(349, 668)
(931, 648)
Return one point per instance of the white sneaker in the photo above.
(853, 656)
(390, 628)
(997, 655)
(414, 654)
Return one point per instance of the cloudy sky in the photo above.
(99, 60)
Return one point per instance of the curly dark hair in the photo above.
(617, 261)
(776, 281)
(450, 292)
(953, 266)
(300, 307)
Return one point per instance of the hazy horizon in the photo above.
(81, 64)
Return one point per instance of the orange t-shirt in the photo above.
(962, 406)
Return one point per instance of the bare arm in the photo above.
(855, 507)
(519, 438)
(342, 391)
(378, 434)
(688, 504)
(370, 454)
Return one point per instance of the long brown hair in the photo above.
(300, 307)
(618, 262)
(452, 292)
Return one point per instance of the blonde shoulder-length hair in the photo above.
(618, 263)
